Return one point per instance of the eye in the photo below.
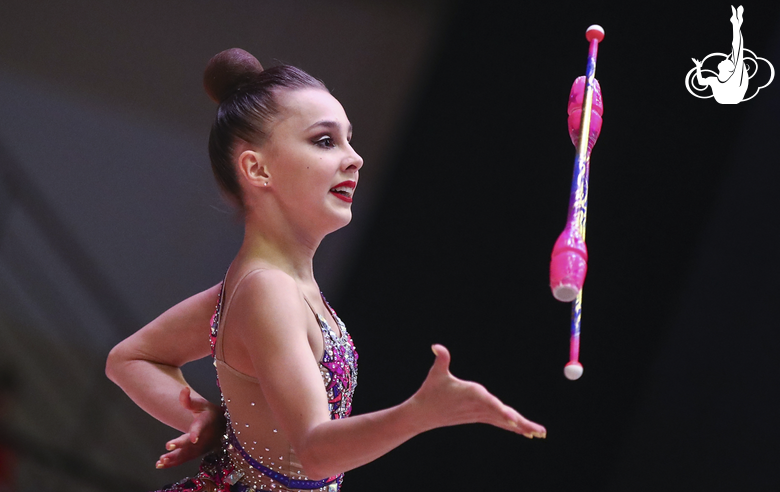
(325, 141)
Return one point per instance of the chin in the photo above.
(340, 220)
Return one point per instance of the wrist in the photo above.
(415, 414)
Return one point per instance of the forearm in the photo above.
(699, 78)
(340, 445)
(152, 386)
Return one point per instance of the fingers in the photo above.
(180, 450)
(178, 443)
(195, 429)
(506, 417)
(175, 458)
(170, 459)
(167, 460)
(522, 425)
(531, 429)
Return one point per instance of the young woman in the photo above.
(280, 149)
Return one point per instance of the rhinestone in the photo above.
(267, 449)
(253, 403)
(275, 431)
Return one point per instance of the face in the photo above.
(313, 169)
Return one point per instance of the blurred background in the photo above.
(109, 215)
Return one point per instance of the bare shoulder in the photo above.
(265, 286)
(267, 299)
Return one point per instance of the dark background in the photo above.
(466, 190)
(680, 308)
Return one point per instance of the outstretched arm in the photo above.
(275, 334)
(443, 400)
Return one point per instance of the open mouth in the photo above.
(344, 191)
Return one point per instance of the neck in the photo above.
(288, 250)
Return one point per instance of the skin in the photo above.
(289, 210)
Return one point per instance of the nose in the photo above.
(353, 161)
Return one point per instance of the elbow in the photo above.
(315, 470)
(316, 465)
(114, 363)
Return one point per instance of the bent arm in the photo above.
(276, 336)
(147, 364)
(701, 80)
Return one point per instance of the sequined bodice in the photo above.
(260, 457)
(338, 366)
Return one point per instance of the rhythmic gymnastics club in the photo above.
(569, 263)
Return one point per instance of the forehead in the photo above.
(303, 107)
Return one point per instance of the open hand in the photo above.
(208, 424)
(445, 400)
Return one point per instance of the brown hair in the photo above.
(247, 105)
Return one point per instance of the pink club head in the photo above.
(568, 266)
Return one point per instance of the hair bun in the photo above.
(227, 71)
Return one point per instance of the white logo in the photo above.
(730, 84)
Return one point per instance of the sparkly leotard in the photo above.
(257, 457)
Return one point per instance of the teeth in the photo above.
(344, 190)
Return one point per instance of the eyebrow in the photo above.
(330, 124)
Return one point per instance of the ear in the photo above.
(252, 168)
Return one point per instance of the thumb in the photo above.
(197, 404)
(185, 398)
(442, 362)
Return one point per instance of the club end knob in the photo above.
(595, 32)
(573, 370)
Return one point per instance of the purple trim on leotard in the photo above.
(283, 479)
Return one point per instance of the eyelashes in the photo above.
(327, 142)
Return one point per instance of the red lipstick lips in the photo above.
(344, 190)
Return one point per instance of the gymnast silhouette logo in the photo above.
(730, 84)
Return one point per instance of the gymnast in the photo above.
(731, 84)
(286, 365)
